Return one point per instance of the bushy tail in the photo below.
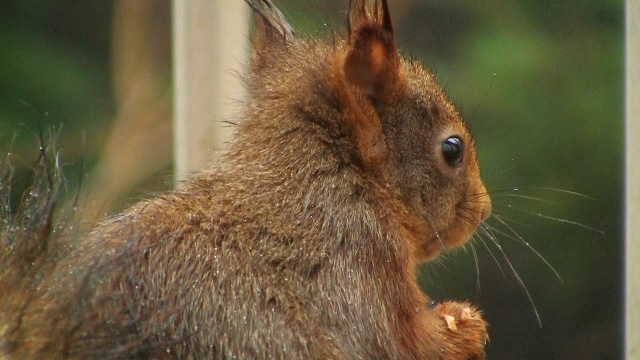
(30, 229)
(62, 296)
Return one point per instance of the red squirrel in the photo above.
(349, 167)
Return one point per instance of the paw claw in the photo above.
(451, 322)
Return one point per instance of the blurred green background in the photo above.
(540, 83)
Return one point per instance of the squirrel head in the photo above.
(400, 126)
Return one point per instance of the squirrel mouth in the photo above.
(441, 242)
(469, 216)
(458, 233)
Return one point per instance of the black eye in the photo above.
(453, 150)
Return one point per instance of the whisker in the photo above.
(563, 191)
(522, 241)
(489, 231)
(506, 218)
(522, 285)
(475, 259)
(519, 279)
(493, 256)
(473, 249)
(525, 197)
(491, 236)
(478, 195)
(465, 214)
(560, 220)
(515, 233)
(433, 226)
(493, 78)
(469, 212)
(502, 227)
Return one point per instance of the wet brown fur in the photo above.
(300, 243)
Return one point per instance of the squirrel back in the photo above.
(349, 168)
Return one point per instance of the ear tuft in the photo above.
(271, 21)
(272, 29)
(372, 62)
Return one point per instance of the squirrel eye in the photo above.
(453, 150)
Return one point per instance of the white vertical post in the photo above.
(632, 253)
(210, 49)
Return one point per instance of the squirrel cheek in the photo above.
(477, 206)
(484, 202)
(478, 200)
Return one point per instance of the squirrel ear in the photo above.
(271, 29)
(372, 61)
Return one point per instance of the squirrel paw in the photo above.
(464, 330)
